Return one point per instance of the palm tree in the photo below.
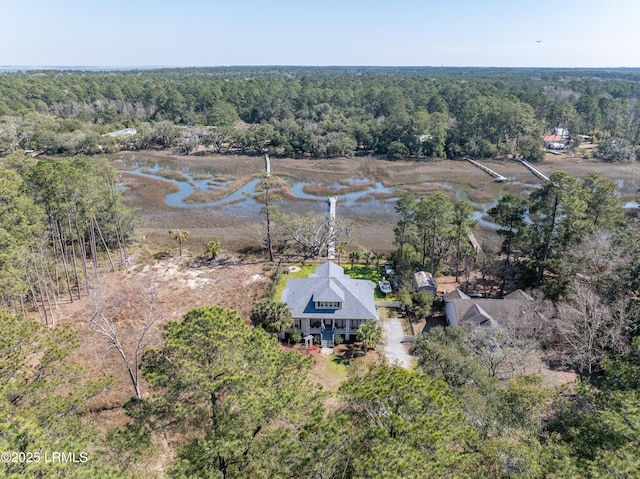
(369, 333)
(354, 256)
(180, 236)
(340, 250)
(272, 316)
(377, 257)
(214, 248)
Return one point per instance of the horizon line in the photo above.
(150, 67)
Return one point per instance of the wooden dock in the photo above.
(534, 170)
(475, 243)
(489, 171)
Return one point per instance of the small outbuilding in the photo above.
(423, 281)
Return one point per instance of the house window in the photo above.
(296, 324)
(328, 305)
(355, 323)
(339, 323)
(315, 324)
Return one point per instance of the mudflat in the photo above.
(374, 228)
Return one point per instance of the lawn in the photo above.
(359, 271)
(299, 271)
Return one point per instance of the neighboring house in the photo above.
(557, 140)
(461, 309)
(329, 302)
(554, 142)
(423, 281)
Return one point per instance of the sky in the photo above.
(480, 33)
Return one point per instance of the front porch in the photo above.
(327, 329)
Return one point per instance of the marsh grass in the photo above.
(172, 175)
(420, 189)
(339, 188)
(149, 193)
(200, 196)
(201, 176)
(479, 196)
(517, 188)
(384, 196)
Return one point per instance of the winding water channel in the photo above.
(372, 196)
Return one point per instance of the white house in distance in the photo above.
(330, 302)
(123, 132)
(557, 140)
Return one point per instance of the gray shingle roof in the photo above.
(330, 280)
(329, 270)
(472, 311)
(456, 293)
(519, 294)
(330, 292)
(476, 314)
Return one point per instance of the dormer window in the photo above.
(328, 304)
(328, 295)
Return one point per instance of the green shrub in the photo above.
(295, 336)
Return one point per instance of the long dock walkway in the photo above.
(489, 171)
(475, 243)
(534, 170)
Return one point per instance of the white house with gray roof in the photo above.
(330, 302)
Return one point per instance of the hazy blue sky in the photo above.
(573, 33)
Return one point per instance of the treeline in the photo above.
(60, 222)
(538, 233)
(321, 112)
(569, 241)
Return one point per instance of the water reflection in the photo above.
(374, 199)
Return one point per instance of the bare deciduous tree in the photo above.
(313, 232)
(505, 349)
(109, 313)
(491, 346)
(192, 137)
(588, 328)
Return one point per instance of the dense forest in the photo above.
(58, 220)
(321, 112)
(224, 397)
